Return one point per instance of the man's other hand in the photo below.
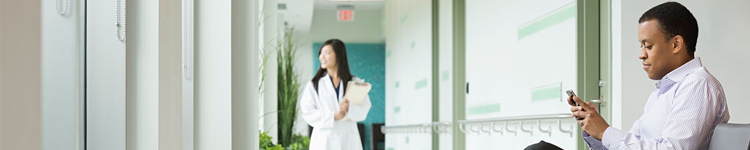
(589, 119)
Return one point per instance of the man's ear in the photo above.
(677, 43)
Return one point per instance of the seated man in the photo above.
(686, 105)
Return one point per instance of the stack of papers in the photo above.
(356, 91)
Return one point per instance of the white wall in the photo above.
(408, 31)
(271, 30)
(62, 76)
(721, 47)
(306, 72)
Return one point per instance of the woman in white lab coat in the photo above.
(323, 105)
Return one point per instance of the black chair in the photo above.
(361, 128)
(377, 136)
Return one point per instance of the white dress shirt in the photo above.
(681, 113)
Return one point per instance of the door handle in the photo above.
(598, 101)
(467, 87)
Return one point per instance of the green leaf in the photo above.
(288, 86)
(265, 140)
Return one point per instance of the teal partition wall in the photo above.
(366, 61)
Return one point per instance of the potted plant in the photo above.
(288, 96)
(288, 86)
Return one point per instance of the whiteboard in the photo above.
(520, 58)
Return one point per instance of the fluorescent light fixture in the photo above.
(345, 7)
(355, 0)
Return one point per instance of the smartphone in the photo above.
(571, 94)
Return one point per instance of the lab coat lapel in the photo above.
(328, 93)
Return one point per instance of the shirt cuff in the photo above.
(612, 137)
(592, 142)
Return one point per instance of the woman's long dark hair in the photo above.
(343, 64)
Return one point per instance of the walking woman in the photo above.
(333, 119)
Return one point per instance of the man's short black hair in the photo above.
(674, 19)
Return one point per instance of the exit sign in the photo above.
(346, 15)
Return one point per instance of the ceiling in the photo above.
(299, 13)
(358, 4)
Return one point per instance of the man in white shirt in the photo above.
(688, 101)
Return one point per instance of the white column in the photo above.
(446, 68)
(244, 74)
(170, 75)
(20, 75)
(187, 102)
(143, 75)
(105, 77)
(213, 75)
(62, 75)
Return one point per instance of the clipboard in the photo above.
(356, 91)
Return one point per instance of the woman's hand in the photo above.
(344, 106)
(339, 115)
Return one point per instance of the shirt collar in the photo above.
(678, 74)
(326, 77)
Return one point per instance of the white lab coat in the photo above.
(318, 109)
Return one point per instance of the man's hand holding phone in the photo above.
(591, 122)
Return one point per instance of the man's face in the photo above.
(656, 51)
